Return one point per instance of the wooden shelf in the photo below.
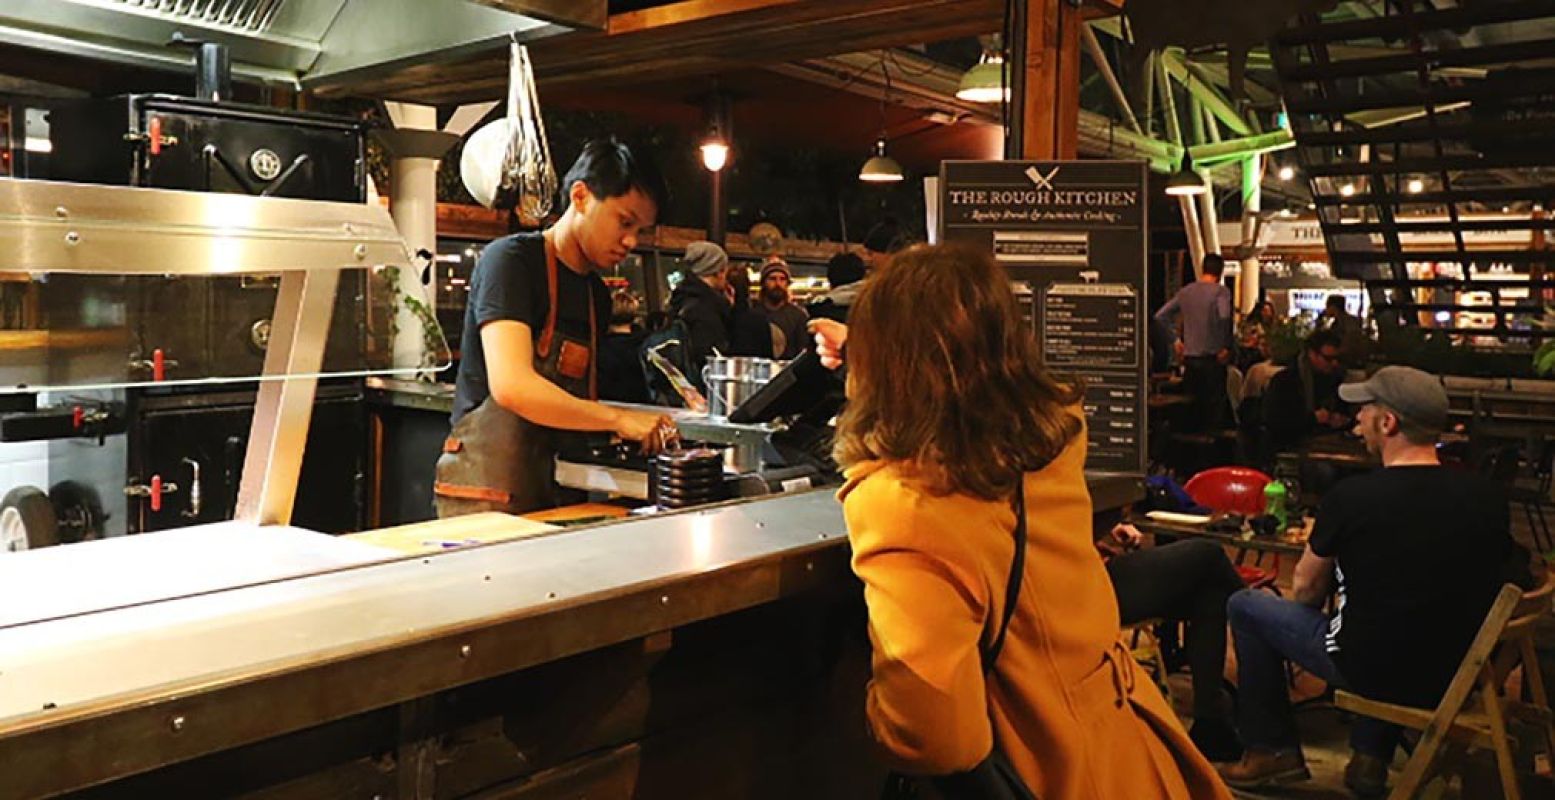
(76, 339)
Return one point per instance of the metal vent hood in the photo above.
(305, 43)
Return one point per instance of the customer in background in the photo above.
(1303, 400)
(750, 334)
(843, 275)
(952, 429)
(1415, 553)
(1204, 308)
(1252, 334)
(1185, 581)
(620, 371)
(1353, 343)
(703, 302)
(780, 309)
(885, 239)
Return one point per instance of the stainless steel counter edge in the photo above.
(92, 698)
(88, 699)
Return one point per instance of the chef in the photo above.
(537, 311)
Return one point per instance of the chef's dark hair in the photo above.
(610, 169)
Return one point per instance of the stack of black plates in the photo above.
(686, 478)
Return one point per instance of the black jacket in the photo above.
(620, 369)
(706, 314)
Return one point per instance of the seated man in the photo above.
(1304, 400)
(1416, 554)
(1187, 580)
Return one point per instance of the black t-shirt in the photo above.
(1421, 552)
(509, 283)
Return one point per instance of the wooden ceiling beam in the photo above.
(697, 37)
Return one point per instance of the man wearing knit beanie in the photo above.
(778, 306)
(701, 302)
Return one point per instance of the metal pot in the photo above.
(731, 380)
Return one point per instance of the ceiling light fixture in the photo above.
(881, 168)
(1415, 186)
(988, 80)
(1347, 190)
(1186, 182)
(1287, 172)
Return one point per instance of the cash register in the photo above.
(778, 440)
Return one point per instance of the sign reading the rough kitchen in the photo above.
(1072, 236)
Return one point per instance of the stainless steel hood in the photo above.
(305, 43)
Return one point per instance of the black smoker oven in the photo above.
(208, 145)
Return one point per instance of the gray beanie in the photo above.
(705, 258)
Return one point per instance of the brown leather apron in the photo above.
(495, 460)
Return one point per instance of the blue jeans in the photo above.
(1268, 630)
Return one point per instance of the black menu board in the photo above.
(1072, 236)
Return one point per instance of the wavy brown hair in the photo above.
(944, 377)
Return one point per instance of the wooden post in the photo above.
(1049, 103)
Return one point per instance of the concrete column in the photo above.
(415, 147)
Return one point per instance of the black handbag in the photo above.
(994, 778)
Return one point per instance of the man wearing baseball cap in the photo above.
(1415, 554)
(779, 308)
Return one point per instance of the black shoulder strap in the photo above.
(1017, 571)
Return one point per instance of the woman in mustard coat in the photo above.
(948, 407)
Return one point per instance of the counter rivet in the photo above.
(360, 251)
(822, 536)
(550, 595)
(73, 238)
(464, 652)
(178, 724)
(61, 212)
(665, 600)
(761, 524)
(485, 577)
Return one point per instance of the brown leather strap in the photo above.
(471, 493)
(452, 445)
(593, 346)
(549, 331)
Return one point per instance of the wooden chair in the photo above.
(1474, 711)
(1144, 644)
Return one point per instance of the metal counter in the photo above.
(95, 697)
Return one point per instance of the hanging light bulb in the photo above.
(1186, 182)
(881, 168)
(1415, 186)
(987, 81)
(1287, 172)
(1347, 190)
(715, 154)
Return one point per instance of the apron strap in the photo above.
(549, 331)
(458, 492)
(593, 346)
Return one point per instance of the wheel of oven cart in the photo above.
(27, 520)
(78, 512)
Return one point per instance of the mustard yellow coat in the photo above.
(1073, 713)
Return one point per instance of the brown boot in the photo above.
(1366, 776)
(1265, 768)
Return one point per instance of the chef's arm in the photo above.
(516, 386)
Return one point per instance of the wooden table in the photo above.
(1284, 544)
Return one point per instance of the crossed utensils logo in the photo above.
(1042, 181)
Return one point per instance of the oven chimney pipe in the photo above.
(212, 72)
